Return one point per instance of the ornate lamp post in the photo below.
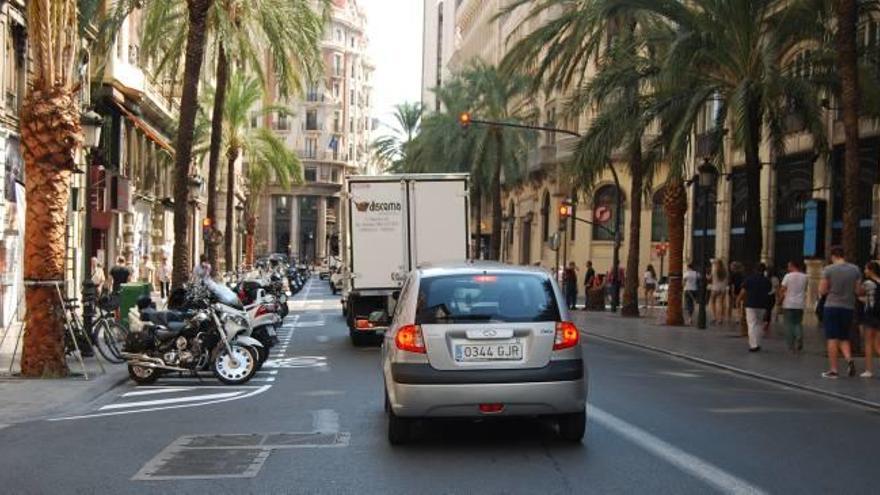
(91, 124)
(707, 174)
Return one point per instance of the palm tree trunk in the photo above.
(477, 201)
(250, 226)
(754, 234)
(189, 99)
(51, 133)
(847, 25)
(232, 156)
(675, 203)
(222, 78)
(495, 245)
(630, 305)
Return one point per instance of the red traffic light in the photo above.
(464, 119)
(565, 210)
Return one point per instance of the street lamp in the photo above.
(91, 124)
(707, 174)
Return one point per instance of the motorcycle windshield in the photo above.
(224, 294)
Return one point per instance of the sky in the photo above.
(395, 31)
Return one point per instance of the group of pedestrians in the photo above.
(158, 276)
(592, 281)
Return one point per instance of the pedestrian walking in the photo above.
(871, 316)
(792, 293)
(771, 298)
(589, 276)
(755, 291)
(650, 284)
(145, 271)
(163, 276)
(691, 282)
(718, 288)
(99, 278)
(840, 283)
(570, 285)
(120, 273)
(203, 269)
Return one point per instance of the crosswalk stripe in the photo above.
(145, 403)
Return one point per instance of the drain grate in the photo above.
(314, 439)
(207, 441)
(228, 455)
(182, 463)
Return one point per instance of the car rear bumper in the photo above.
(524, 398)
(424, 374)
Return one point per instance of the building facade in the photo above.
(438, 44)
(791, 184)
(330, 130)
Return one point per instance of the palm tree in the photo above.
(846, 28)
(267, 158)
(559, 55)
(494, 152)
(394, 149)
(283, 35)
(51, 136)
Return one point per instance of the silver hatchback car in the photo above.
(479, 340)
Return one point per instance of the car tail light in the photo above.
(491, 408)
(409, 338)
(362, 324)
(567, 335)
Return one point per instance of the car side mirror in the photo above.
(395, 295)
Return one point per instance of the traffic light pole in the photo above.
(466, 120)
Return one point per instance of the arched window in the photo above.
(545, 217)
(659, 221)
(606, 197)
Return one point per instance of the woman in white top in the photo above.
(99, 278)
(718, 288)
(650, 281)
(792, 292)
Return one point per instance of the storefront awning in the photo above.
(147, 129)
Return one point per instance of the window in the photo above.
(606, 197)
(336, 90)
(351, 124)
(334, 175)
(325, 174)
(313, 93)
(255, 121)
(337, 121)
(545, 217)
(282, 122)
(659, 221)
(340, 36)
(311, 148)
(310, 174)
(351, 97)
(504, 297)
(338, 68)
(312, 120)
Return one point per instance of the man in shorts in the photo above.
(840, 284)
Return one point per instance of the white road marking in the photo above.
(696, 467)
(252, 393)
(158, 402)
(158, 390)
(322, 338)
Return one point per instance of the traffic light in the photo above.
(464, 120)
(565, 212)
(207, 225)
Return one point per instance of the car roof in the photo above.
(476, 267)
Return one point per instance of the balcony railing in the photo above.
(323, 155)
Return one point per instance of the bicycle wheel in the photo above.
(106, 342)
(118, 334)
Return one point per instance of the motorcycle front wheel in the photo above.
(235, 368)
(142, 375)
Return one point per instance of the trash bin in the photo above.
(128, 296)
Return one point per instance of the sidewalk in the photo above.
(723, 347)
(28, 399)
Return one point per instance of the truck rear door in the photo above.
(438, 221)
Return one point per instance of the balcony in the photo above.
(314, 125)
(541, 157)
(327, 155)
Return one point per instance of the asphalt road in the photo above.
(313, 422)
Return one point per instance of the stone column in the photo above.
(723, 215)
(294, 224)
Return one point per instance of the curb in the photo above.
(733, 369)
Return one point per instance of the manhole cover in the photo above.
(183, 463)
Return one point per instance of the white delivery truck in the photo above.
(392, 224)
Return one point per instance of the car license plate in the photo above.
(489, 351)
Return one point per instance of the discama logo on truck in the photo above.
(364, 206)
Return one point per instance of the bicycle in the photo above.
(107, 333)
(74, 335)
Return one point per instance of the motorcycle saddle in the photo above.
(164, 318)
(173, 329)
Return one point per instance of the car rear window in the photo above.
(487, 298)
